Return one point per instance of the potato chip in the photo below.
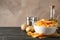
(46, 23)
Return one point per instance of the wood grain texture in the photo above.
(14, 12)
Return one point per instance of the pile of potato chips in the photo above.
(46, 23)
(35, 35)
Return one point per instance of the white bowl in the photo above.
(45, 30)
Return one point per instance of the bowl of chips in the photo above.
(45, 27)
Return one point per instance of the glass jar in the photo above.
(31, 20)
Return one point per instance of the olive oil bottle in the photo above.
(52, 14)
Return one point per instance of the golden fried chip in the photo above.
(46, 23)
(29, 33)
(35, 35)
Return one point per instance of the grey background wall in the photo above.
(14, 12)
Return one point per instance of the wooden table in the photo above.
(15, 33)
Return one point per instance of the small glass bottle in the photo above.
(52, 13)
(34, 19)
(29, 22)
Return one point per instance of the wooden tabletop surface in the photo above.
(15, 33)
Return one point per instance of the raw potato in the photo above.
(23, 27)
(29, 28)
